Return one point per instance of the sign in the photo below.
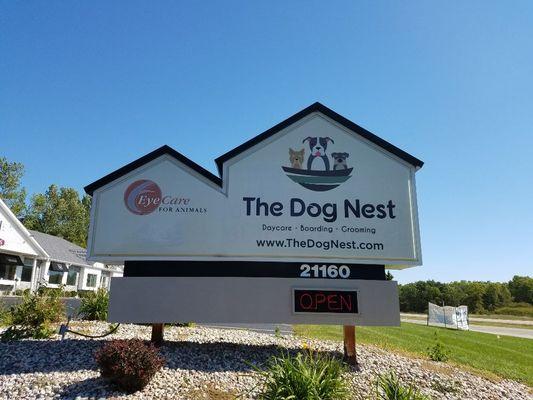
(2, 242)
(216, 300)
(315, 189)
(325, 301)
(253, 269)
(297, 228)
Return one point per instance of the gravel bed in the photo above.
(206, 363)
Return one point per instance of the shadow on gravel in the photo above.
(91, 388)
(29, 356)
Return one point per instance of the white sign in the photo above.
(316, 187)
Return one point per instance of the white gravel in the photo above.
(206, 363)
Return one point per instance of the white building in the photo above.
(29, 259)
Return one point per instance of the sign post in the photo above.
(298, 228)
(157, 333)
(350, 354)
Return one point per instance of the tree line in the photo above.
(59, 211)
(480, 297)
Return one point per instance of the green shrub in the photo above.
(438, 351)
(305, 377)
(184, 324)
(389, 387)
(129, 364)
(516, 309)
(95, 305)
(34, 316)
(84, 293)
(51, 291)
(5, 315)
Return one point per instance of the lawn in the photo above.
(505, 356)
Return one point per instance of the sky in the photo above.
(86, 87)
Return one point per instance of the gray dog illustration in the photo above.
(318, 146)
(339, 160)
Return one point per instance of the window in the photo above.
(91, 280)
(26, 273)
(8, 266)
(55, 277)
(103, 281)
(72, 277)
(7, 271)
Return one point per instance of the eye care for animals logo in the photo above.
(142, 197)
(318, 172)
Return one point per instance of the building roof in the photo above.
(315, 107)
(61, 250)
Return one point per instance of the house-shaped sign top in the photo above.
(315, 187)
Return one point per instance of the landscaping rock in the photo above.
(215, 364)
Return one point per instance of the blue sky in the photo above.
(86, 87)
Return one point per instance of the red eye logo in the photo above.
(142, 197)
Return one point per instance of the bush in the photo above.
(304, 376)
(84, 293)
(95, 306)
(34, 316)
(438, 352)
(184, 324)
(389, 387)
(51, 291)
(516, 309)
(5, 316)
(129, 364)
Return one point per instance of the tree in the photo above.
(496, 295)
(10, 189)
(389, 276)
(60, 212)
(521, 288)
(474, 297)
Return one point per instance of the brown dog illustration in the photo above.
(296, 158)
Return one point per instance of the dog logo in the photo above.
(142, 197)
(318, 175)
(318, 147)
(339, 160)
(296, 158)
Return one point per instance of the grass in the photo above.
(503, 316)
(506, 357)
(502, 324)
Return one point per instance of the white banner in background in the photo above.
(449, 317)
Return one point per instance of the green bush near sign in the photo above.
(389, 387)
(95, 305)
(304, 376)
(34, 316)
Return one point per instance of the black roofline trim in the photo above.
(318, 107)
(315, 107)
(89, 189)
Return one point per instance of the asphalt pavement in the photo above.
(495, 330)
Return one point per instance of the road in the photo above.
(495, 330)
(478, 319)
